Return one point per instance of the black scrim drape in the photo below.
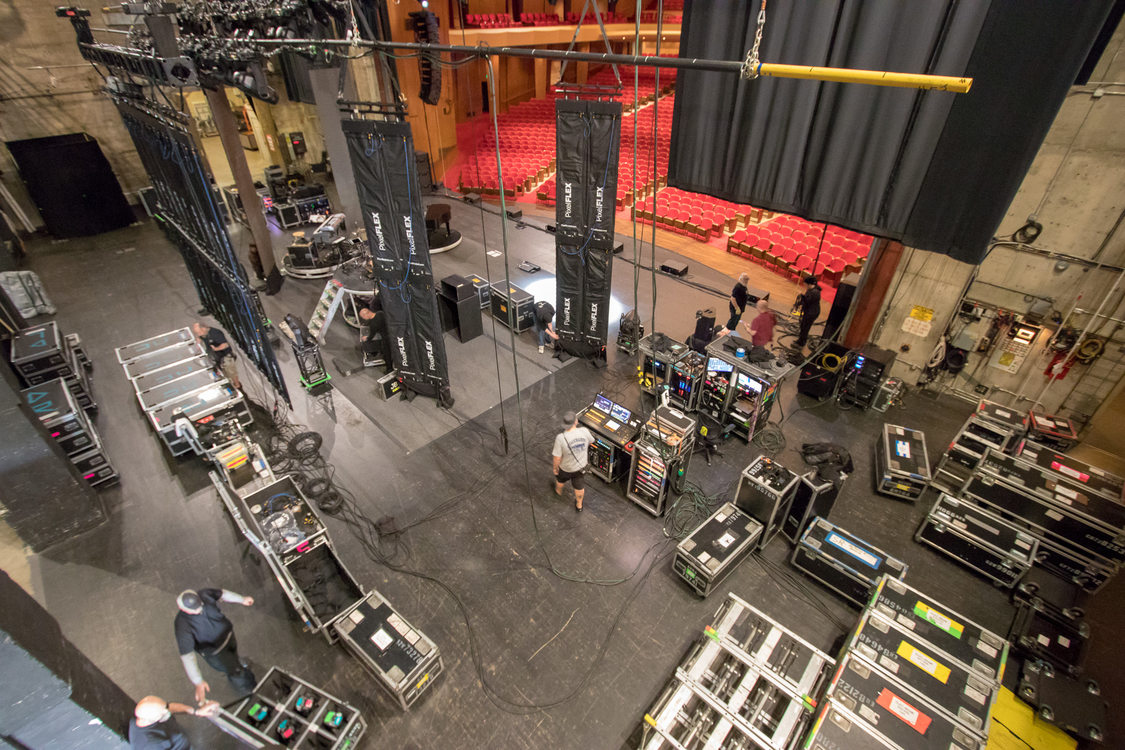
(588, 135)
(933, 169)
(386, 178)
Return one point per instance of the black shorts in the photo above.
(577, 479)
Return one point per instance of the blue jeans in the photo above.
(542, 336)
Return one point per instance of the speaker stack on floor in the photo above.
(821, 374)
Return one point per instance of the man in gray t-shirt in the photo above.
(570, 457)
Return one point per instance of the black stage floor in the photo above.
(573, 622)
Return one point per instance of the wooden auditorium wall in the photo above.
(433, 126)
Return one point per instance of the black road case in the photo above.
(1042, 630)
(1073, 705)
(514, 302)
(902, 468)
(839, 729)
(1051, 430)
(481, 286)
(712, 552)
(94, 466)
(1015, 421)
(981, 650)
(54, 405)
(37, 349)
(404, 661)
(1060, 521)
(1098, 481)
(895, 711)
(1064, 561)
(765, 491)
(962, 694)
(843, 562)
(814, 498)
(979, 540)
(285, 711)
(1076, 497)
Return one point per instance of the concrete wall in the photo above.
(63, 99)
(1074, 188)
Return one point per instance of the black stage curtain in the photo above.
(588, 135)
(933, 169)
(72, 185)
(386, 178)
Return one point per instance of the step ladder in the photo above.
(325, 310)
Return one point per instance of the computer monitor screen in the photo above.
(714, 364)
(602, 403)
(620, 413)
(749, 383)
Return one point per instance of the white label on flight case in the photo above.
(1066, 491)
(989, 651)
(382, 639)
(1064, 641)
(854, 550)
(726, 540)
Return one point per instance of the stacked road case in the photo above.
(55, 406)
(982, 541)
(913, 675)
(175, 380)
(843, 562)
(990, 426)
(40, 354)
(747, 683)
(1081, 534)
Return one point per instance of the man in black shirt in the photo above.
(373, 334)
(154, 728)
(809, 305)
(544, 328)
(215, 342)
(201, 628)
(738, 299)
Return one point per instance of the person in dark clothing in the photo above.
(201, 628)
(809, 305)
(373, 339)
(544, 327)
(215, 342)
(154, 727)
(738, 298)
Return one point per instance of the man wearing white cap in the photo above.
(202, 628)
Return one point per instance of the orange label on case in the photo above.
(917, 720)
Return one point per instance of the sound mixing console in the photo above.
(614, 428)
